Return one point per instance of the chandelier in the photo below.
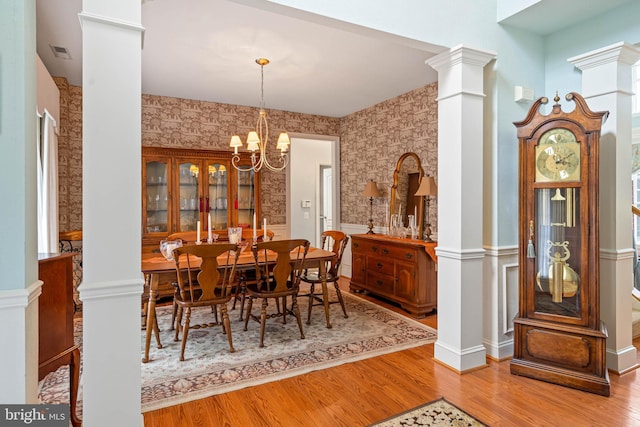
(257, 139)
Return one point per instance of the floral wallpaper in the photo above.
(371, 141)
(70, 156)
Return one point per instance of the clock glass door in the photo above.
(558, 247)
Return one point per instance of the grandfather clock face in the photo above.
(557, 157)
(557, 223)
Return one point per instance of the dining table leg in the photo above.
(151, 314)
(322, 270)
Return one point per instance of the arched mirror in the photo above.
(406, 180)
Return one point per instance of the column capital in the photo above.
(460, 55)
(460, 71)
(620, 52)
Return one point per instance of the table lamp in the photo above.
(427, 189)
(371, 191)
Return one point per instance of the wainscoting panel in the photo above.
(500, 300)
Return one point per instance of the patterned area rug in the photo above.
(209, 368)
(437, 413)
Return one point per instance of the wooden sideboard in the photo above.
(55, 321)
(400, 270)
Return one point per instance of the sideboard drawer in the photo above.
(380, 265)
(381, 249)
(399, 253)
(380, 283)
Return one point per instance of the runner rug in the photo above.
(209, 368)
(437, 413)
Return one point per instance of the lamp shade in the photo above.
(252, 141)
(371, 190)
(235, 141)
(427, 187)
(283, 142)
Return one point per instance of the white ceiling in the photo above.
(205, 50)
(547, 16)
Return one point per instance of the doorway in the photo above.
(312, 196)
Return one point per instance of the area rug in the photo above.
(437, 413)
(209, 368)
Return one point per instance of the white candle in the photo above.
(400, 212)
(386, 216)
(415, 212)
(255, 235)
(209, 229)
(264, 230)
(198, 232)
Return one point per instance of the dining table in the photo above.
(157, 268)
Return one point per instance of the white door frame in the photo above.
(321, 218)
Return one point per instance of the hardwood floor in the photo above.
(360, 393)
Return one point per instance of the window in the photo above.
(636, 88)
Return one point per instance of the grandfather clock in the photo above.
(559, 337)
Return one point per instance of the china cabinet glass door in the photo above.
(189, 198)
(217, 203)
(157, 197)
(246, 199)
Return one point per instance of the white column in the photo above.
(111, 148)
(460, 187)
(606, 86)
(19, 284)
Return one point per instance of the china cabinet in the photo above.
(182, 188)
(558, 334)
(400, 270)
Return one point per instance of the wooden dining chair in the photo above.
(336, 242)
(276, 279)
(204, 284)
(247, 276)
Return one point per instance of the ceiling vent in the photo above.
(60, 52)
